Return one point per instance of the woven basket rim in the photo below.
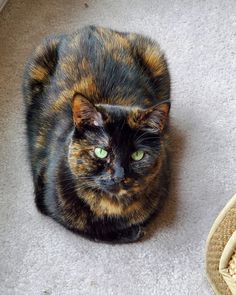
(218, 227)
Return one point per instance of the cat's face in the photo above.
(116, 149)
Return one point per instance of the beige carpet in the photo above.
(38, 256)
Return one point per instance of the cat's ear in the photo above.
(154, 118)
(84, 112)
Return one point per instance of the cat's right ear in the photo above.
(84, 112)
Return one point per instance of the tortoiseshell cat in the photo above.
(97, 105)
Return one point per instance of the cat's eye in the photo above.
(137, 155)
(100, 153)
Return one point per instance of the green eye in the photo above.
(138, 155)
(100, 153)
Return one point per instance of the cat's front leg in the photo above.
(129, 235)
(39, 188)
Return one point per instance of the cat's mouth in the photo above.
(112, 189)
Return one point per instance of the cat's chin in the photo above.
(115, 190)
(111, 191)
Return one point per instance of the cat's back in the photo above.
(115, 67)
(104, 65)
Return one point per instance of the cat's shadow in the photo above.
(167, 214)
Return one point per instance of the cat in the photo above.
(97, 109)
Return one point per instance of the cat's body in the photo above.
(98, 88)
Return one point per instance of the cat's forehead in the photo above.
(114, 112)
(116, 131)
(115, 119)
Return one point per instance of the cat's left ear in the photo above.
(84, 112)
(154, 118)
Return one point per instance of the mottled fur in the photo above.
(98, 87)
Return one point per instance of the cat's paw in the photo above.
(131, 234)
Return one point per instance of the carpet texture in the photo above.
(38, 256)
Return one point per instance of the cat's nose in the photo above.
(118, 175)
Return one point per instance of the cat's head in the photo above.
(116, 149)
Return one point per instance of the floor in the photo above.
(38, 256)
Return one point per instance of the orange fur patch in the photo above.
(147, 102)
(40, 141)
(133, 118)
(67, 65)
(86, 86)
(84, 64)
(108, 207)
(63, 99)
(118, 57)
(154, 60)
(117, 41)
(122, 41)
(39, 73)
